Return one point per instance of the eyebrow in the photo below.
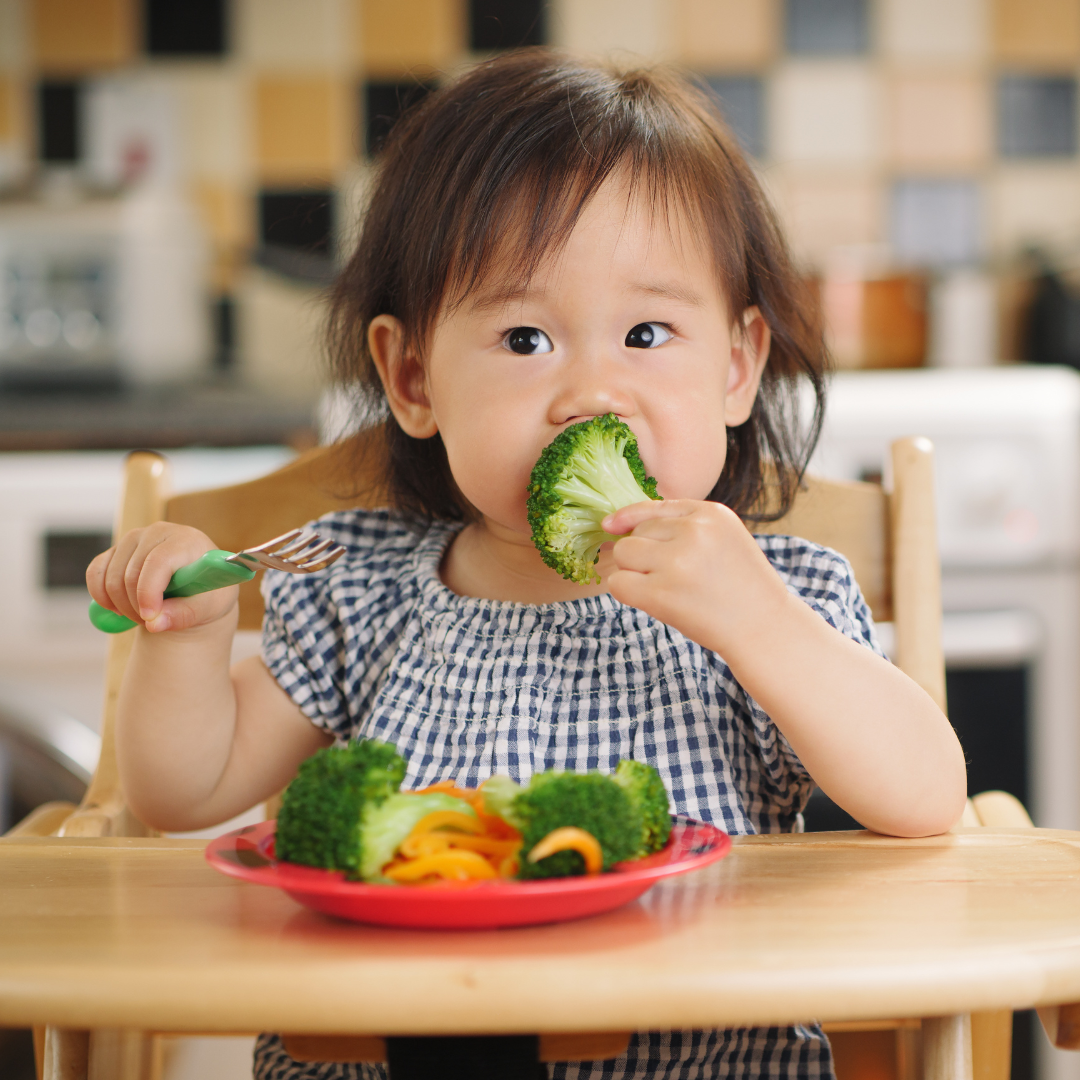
(499, 297)
(668, 291)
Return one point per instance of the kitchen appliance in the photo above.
(94, 292)
(1007, 478)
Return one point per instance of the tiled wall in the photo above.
(945, 128)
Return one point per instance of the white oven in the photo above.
(1007, 480)
(56, 513)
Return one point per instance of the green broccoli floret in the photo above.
(586, 472)
(590, 801)
(320, 820)
(647, 792)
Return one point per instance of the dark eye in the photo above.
(647, 335)
(527, 341)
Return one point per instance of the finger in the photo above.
(95, 577)
(159, 562)
(640, 554)
(116, 576)
(629, 517)
(182, 613)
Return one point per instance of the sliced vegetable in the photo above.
(451, 865)
(570, 838)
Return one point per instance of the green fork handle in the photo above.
(212, 571)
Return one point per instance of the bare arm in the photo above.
(872, 739)
(197, 743)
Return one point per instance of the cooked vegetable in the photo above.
(590, 801)
(322, 810)
(570, 839)
(588, 471)
(344, 812)
(646, 789)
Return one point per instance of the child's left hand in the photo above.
(694, 566)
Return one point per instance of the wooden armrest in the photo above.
(45, 820)
(561, 1046)
(109, 819)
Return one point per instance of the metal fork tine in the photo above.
(284, 538)
(295, 545)
(311, 551)
(321, 564)
(296, 552)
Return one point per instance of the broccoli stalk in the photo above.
(343, 811)
(588, 471)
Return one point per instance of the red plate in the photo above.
(249, 854)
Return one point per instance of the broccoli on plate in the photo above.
(586, 472)
(627, 814)
(343, 811)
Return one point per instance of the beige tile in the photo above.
(939, 120)
(827, 111)
(284, 35)
(1037, 31)
(14, 35)
(216, 120)
(397, 36)
(934, 29)
(820, 213)
(303, 129)
(228, 214)
(1035, 204)
(634, 28)
(719, 35)
(75, 35)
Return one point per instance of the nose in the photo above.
(593, 384)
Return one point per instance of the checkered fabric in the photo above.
(378, 647)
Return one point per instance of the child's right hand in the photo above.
(132, 576)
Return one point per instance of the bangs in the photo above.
(521, 177)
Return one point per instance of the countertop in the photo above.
(213, 413)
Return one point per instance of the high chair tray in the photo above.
(249, 854)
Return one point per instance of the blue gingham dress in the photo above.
(378, 647)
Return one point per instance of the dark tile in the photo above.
(827, 27)
(298, 220)
(742, 101)
(936, 222)
(190, 28)
(1036, 115)
(506, 24)
(383, 103)
(59, 122)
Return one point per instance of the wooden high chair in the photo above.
(889, 538)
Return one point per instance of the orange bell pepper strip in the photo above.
(451, 865)
(447, 819)
(570, 838)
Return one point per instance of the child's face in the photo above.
(628, 318)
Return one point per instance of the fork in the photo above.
(295, 552)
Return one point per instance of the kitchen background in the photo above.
(179, 180)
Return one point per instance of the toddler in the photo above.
(547, 241)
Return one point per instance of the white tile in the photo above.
(284, 35)
(935, 29)
(1036, 204)
(14, 43)
(639, 27)
(828, 112)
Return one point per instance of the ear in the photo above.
(750, 341)
(403, 377)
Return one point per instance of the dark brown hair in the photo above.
(493, 171)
